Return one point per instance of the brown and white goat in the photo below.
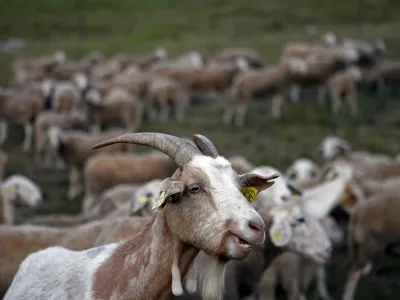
(201, 207)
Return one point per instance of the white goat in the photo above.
(18, 188)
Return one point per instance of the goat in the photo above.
(201, 207)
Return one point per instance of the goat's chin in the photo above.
(236, 248)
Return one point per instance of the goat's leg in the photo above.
(8, 213)
(88, 203)
(180, 107)
(96, 128)
(351, 284)
(151, 111)
(4, 133)
(241, 114)
(229, 112)
(75, 186)
(241, 110)
(336, 102)
(230, 106)
(321, 91)
(39, 149)
(164, 108)
(27, 144)
(321, 283)
(267, 284)
(295, 92)
(352, 102)
(276, 106)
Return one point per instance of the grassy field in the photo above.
(207, 25)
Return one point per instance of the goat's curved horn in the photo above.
(176, 148)
(205, 145)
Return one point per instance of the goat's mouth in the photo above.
(237, 247)
(241, 242)
(321, 258)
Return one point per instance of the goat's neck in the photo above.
(270, 251)
(140, 268)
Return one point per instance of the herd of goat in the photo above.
(184, 222)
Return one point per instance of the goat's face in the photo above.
(145, 197)
(302, 169)
(281, 192)
(81, 80)
(333, 146)
(160, 53)
(208, 210)
(299, 232)
(93, 96)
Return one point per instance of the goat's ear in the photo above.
(280, 232)
(252, 184)
(169, 188)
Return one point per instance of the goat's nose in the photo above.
(257, 226)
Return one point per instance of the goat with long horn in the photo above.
(200, 207)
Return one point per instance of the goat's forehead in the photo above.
(207, 163)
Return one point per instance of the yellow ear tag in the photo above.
(160, 202)
(250, 193)
(143, 199)
(276, 236)
(11, 190)
(295, 197)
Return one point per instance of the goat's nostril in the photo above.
(285, 199)
(256, 225)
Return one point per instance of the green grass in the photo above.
(79, 26)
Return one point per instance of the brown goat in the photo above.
(103, 171)
(118, 105)
(74, 146)
(162, 92)
(20, 108)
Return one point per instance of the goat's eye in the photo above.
(195, 188)
(301, 220)
(149, 195)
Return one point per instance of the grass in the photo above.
(207, 25)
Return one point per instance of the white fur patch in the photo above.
(242, 64)
(279, 192)
(160, 53)
(26, 189)
(302, 169)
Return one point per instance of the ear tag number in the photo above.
(250, 193)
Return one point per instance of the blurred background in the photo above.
(128, 32)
